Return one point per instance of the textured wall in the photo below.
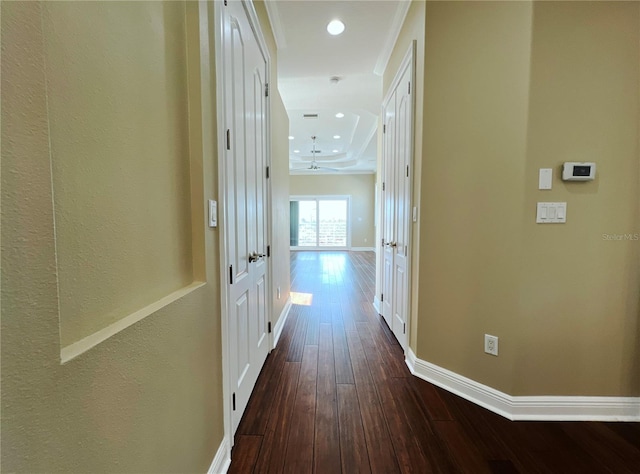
(361, 189)
(148, 399)
(117, 103)
(511, 87)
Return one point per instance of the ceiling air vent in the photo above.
(315, 151)
(310, 116)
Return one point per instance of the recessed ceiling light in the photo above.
(291, 138)
(339, 115)
(336, 151)
(337, 137)
(335, 27)
(296, 151)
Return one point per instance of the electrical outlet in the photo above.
(491, 344)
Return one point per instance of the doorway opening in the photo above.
(319, 223)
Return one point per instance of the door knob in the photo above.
(255, 256)
(393, 244)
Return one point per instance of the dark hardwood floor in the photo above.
(335, 396)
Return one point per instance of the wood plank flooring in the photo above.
(335, 396)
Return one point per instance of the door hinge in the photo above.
(384, 128)
(404, 328)
(269, 327)
(382, 242)
(228, 139)
(268, 250)
(231, 274)
(266, 89)
(268, 172)
(405, 250)
(407, 171)
(381, 297)
(409, 88)
(233, 401)
(225, 3)
(383, 185)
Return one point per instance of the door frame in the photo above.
(218, 32)
(409, 61)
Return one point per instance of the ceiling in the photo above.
(308, 57)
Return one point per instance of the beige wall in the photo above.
(511, 87)
(128, 174)
(280, 175)
(107, 133)
(361, 189)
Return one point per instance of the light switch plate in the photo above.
(213, 213)
(545, 178)
(551, 213)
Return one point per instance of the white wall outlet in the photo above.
(491, 344)
(278, 292)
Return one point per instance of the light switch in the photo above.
(551, 213)
(545, 178)
(415, 214)
(213, 213)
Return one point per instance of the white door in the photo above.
(396, 209)
(388, 209)
(245, 68)
(402, 188)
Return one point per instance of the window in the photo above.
(319, 222)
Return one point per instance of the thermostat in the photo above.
(573, 171)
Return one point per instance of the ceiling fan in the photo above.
(314, 164)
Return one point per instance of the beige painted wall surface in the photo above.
(148, 399)
(412, 30)
(279, 178)
(118, 112)
(361, 189)
(512, 87)
(588, 109)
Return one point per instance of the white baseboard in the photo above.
(222, 460)
(376, 304)
(362, 249)
(277, 330)
(538, 408)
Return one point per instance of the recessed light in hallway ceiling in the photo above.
(335, 27)
(339, 115)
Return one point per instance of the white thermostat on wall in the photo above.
(573, 171)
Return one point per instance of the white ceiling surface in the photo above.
(308, 57)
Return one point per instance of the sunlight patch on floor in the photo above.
(303, 299)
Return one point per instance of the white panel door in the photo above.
(246, 197)
(402, 189)
(397, 160)
(388, 213)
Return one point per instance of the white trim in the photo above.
(217, 31)
(376, 304)
(362, 249)
(537, 408)
(222, 459)
(394, 32)
(279, 326)
(276, 24)
(73, 350)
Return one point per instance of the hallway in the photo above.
(336, 396)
